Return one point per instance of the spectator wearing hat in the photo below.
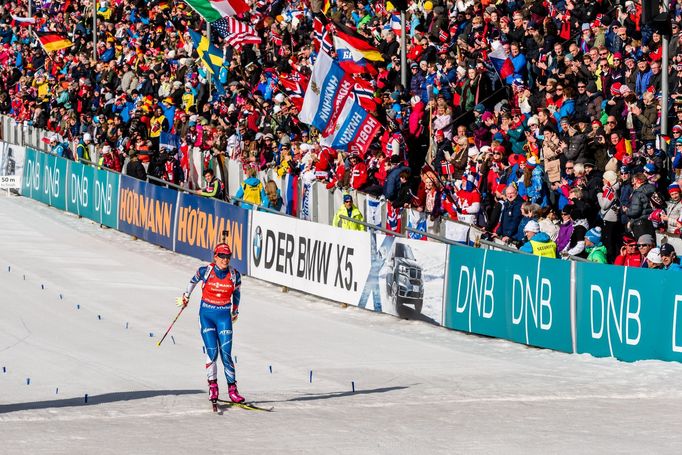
(645, 243)
(538, 243)
(669, 258)
(596, 251)
(654, 259)
(638, 207)
(134, 168)
(609, 212)
(629, 253)
(643, 78)
(350, 210)
(673, 210)
(571, 239)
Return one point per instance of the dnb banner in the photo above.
(517, 297)
(322, 260)
(629, 313)
(71, 186)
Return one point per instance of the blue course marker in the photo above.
(311, 376)
(352, 384)
(86, 398)
(270, 366)
(28, 381)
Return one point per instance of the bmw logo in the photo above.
(257, 250)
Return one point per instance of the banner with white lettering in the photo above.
(517, 297)
(628, 313)
(406, 278)
(322, 260)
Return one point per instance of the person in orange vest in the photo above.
(219, 308)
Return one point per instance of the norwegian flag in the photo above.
(443, 36)
(393, 218)
(364, 92)
(322, 37)
(327, 41)
(236, 33)
(277, 39)
(294, 85)
(318, 33)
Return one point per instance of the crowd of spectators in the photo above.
(565, 149)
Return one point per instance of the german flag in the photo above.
(52, 41)
(346, 38)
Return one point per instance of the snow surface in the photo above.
(419, 388)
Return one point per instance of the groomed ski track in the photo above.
(418, 388)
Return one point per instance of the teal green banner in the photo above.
(45, 178)
(629, 313)
(93, 194)
(517, 297)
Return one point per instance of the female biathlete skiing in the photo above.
(220, 293)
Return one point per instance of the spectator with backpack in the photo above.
(251, 190)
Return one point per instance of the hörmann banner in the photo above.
(201, 223)
(323, 260)
(517, 297)
(629, 313)
(147, 211)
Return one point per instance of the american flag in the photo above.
(236, 33)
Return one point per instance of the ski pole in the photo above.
(171, 326)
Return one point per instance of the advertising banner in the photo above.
(406, 278)
(147, 211)
(12, 159)
(93, 193)
(517, 297)
(629, 313)
(201, 223)
(44, 178)
(323, 260)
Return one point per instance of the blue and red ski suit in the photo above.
(220, 294)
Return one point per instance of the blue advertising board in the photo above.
(147, 211)
(629, 313)
(516, 297)
(201, 223)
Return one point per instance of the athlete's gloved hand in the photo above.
(235, 315)
(182, 301)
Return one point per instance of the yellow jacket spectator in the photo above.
(351, 211)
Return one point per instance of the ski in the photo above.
(247, 406)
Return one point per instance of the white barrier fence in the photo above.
(323, 203)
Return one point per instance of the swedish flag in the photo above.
(208, 53)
